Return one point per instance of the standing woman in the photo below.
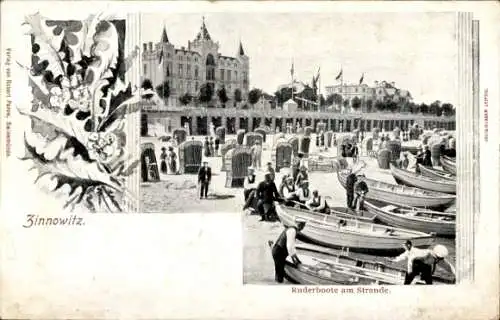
(163, 157)
(206, 148)
(172, 160)
(217, 143)
(211, 146)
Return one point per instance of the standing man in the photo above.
(296, 165)
(423, 262)
(350, 182)
(204, 178)
(284, 247)
(266, 194)
(360, 190)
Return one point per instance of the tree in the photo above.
(163, 90)
(369, 105)
(434, 107)
(379, 105)
(185, 99)
(346, 103)
(223, 98)
(356, 103)
(283, 95)
(254, 96)
(392, 106)
(206, 93)
(147, 85)
(424, 108)
(447, 109)
(237, 95)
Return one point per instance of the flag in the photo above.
(291, 70)
(339, 76)
(362, 77)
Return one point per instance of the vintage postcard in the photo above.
(249, 160)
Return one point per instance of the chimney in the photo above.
(145, 47)
(151, 46)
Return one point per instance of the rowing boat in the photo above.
(449, 164)
(321, 266)
(401, 194)
(336, 232)
(442, 224)
(435, 173)
(413, 179)
(338, 212)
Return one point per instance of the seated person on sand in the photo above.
(303, 193)
(289, 192)
(302, 176)
(249, 187)
(317, 203)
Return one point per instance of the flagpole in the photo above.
(319, 89)
(291, 74)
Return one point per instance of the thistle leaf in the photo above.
(48, 44)
(66, 168)
(68, 124)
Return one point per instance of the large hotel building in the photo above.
(185, 69)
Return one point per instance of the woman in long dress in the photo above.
(163, 157)
(206, 147)
(172, 157)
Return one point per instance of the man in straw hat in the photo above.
(284, 247)
(267, 193)
(423, 262)
(360, 190)
(204, 178)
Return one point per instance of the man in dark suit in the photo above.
(204, 178)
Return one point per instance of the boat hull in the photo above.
(358, 236)
(402, 195)
(411, 179)
(449, 165)
(440, 228)
(435, 173)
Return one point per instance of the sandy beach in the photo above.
(180, 194)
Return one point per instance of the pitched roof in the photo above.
(164, 37)
(241, 52)
(203, 33)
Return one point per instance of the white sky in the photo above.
(418, 51)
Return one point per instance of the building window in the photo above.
(180, 69)
(189, 87)
(356, 89)
(196, 86)
(236, 75)
(222, 74)
(228, 75)
(145, 71)
(168, 55)
(245, 77)
(196, 72)
(188, 71)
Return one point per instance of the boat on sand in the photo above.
(336, 232)
(412, 179)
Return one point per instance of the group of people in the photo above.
(211, 147)
(356, 190)
(168, 161)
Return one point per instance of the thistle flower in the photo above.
(59, 97)
(103, 147)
